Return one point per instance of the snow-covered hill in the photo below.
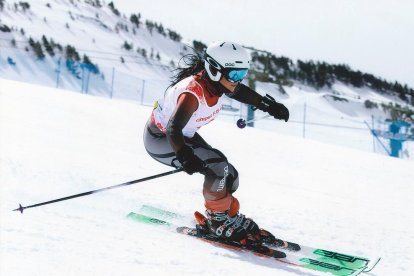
(93, 31)
(335, 115)
(54, 143)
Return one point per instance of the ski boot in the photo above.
(269, 239)
(238, 228)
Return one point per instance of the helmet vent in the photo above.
(234, 47)
(239, 61)
(221, 45)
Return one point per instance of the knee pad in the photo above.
(232, 180)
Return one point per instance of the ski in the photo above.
(262, 251)
(258, 250)
(163, 214)
(323, 255)
(319, 254)
(282, 257)
(146, 219)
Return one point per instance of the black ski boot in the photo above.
(237, 228)
(269, 239)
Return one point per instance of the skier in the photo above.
(192, 101)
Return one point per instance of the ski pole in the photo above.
(21, 208)
(241, 123)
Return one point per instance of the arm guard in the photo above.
(185, 108)
(245, 94)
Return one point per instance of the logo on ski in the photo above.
(325, 265)
(340, 257)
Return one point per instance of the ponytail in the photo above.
(194, 64)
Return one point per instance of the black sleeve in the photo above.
(245, 94)
(186, 105)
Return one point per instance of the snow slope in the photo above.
(54, 143)
(100, 34)
(95, 32)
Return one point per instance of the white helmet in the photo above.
(228, 59)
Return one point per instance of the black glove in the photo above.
(279, 111)
(191, 163)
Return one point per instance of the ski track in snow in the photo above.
(54, 144)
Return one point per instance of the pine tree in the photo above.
(150, 25)
(160, 29)
(127, 46)
(48, 46)
(356, 79)
(24, 5)
(60, 48)
(86, 60)
(5, 29)
(31, 42)
(199, 46)
(172, 63)
(174, 35)
(369, 104)
(113, 9)
(37, 48)
(144, 53)
(71, 53)
(94, 3)
(135, 19)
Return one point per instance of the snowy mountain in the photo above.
(93, 31)
(92, 48)
(55, 143)
(329, 190)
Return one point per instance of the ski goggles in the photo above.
(234, 75)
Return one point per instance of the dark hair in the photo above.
(194, 64)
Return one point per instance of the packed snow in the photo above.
(55, 143)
